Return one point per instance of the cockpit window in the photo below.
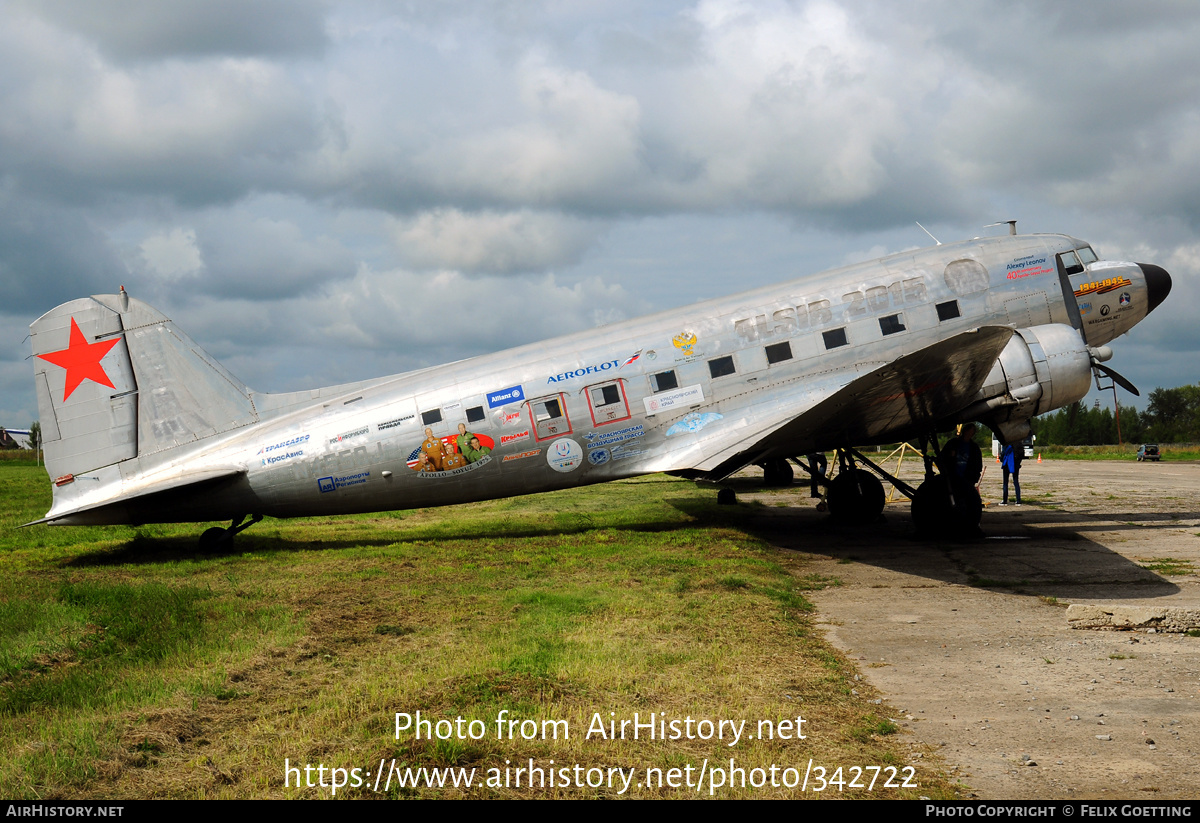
(1087, 255)
(1070, 262)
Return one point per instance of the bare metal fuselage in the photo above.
(872, 352)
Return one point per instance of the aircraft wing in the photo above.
(891, 402)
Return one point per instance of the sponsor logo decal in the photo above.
(279, 458)
(271, 459)
(673, 399)
(347, 435)
(328, 484)
(1104, 311)
(1125, 299)
(691, 423)
(599, 457)
(1028, 266)
(1085, 309)
(564, 455)
(391, 424)
(522, 455)
(502, 397)
(609, 438)
(623, 453)
(516, 437)
(632, 359)
(509, 418)
(1103, 286)
(567, 375)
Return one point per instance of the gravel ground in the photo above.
(971, 648)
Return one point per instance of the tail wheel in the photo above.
(215, 539)
(856, 495)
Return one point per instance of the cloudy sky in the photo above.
(321, 191)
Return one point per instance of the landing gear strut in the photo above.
(216, 538)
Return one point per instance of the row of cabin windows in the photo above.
(474, 415)
(545, 412)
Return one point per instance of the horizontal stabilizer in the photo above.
(93, 509)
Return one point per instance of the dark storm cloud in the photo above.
(49, 256)
(152, 30)
(307, 170)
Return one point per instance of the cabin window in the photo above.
(663, 381)
(834, 338)
(607, 403)
(779, 352)
(1070, 262)
(432, 416)
(891, 324)
(475, 414)
(948, 310)
(549, 417)
(721, 366)
(1086, 255)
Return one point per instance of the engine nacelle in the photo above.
(1041, 369)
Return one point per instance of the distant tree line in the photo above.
(1171, 416)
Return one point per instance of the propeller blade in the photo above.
(1116, 378)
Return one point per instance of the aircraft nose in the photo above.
(1158, 284)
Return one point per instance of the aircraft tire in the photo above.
(214, 539)
(934, 515)
(856, 495)
(777, 473)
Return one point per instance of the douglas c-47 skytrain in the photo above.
(141, 426)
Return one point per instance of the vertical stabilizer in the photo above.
(116, 380)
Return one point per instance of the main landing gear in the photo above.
(218, 539)
(943, 508)
(855, 495)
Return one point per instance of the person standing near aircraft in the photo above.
(1010, 463)
(962, 461)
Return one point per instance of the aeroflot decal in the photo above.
(567, 375)
(1103, 286)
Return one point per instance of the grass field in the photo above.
(131, 666)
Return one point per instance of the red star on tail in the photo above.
(81, 359)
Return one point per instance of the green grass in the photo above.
(132, 666)
(1168, 452)
(1169, 565)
